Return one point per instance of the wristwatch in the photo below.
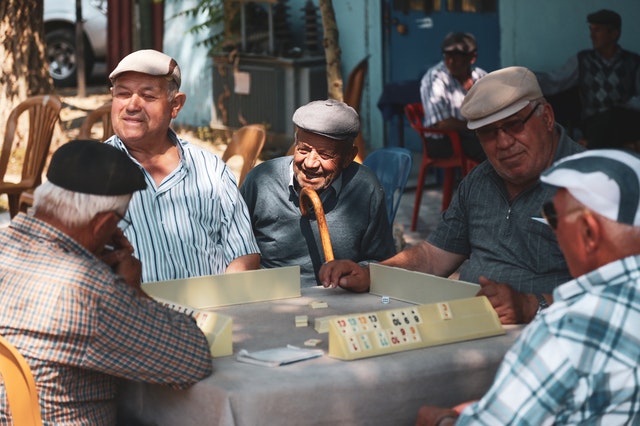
(542, 303)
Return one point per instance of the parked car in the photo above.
(60, 38)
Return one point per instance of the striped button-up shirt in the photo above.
(194, 223)
(578, 361)
(80, 327)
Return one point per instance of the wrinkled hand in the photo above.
(121, 260)
(431, 416)
(346, 274)
(511, 306)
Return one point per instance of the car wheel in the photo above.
(61, 55)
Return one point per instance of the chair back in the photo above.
(353, 97)
(43, 113)
(392, 166)
(102, 114)
(19, 385)
(246, 142)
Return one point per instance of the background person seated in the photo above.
(352, 198)
(608, 81)
(442, 90)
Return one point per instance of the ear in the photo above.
(549, 116)
(102, 226)
(350, 156)
(177, 103)
(590, 233)
(474, 56)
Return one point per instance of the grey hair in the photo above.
(74, 209)
(172, 88)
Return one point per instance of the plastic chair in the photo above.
(247, 142)
(392, 166)
(102, 114)
(353, 97)
(43, 112)
(415, 113)
(19, 385)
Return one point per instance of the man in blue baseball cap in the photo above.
(577, 362)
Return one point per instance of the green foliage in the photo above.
(212, 27)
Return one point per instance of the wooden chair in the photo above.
(43, 112)
(102, 114)
(415, 114)
(247, 142)
(353, 97)
(19, 385)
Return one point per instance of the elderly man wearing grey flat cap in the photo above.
(191, 220)
(577, 363)
(71, 298)
(352, 197)
(492, 232)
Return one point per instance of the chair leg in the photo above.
(447, 187)
(14, 204)
(418, 200)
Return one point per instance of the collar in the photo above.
(336, 184)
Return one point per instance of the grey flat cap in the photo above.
(148, 61)
(499, 95)
(330, 118)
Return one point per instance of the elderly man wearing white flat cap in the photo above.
(492, 232)
(352, 198)
(578, 362)
(191, 219)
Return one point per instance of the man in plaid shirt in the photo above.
(577, 362)
(71, 298)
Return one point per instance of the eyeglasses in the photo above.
(551, 216)
(512, 127)
(124, 222)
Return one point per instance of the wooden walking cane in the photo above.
(308, 194)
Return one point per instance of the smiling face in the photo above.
(319, 160)
(142, 107)
(519, 151)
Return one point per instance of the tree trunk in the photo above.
(24, 71)
(332, 50)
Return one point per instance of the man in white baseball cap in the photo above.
(578, 362)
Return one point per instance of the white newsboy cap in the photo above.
(330, 118)
(498, 95)
(148, 61)
(606, 181)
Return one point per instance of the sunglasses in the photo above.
(512, 128)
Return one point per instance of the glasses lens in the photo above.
(549, 213)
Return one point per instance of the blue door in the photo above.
(414, 30)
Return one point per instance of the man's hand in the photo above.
(511, 306)
(119, 256)
(436, 416)
(346, 274)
